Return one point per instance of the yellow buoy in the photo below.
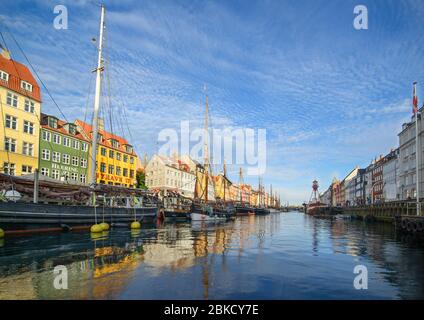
(96, 228)
(104, 226)
(135, 225)
(1, 233)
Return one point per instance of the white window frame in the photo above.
(46, 135)
(74, 176)
(59, 138)
(45, 154)
(55, 174)
(44, 171)
(8, 143)
(27, 148)
(75, 161)
(4, 76)
(28, 127)
(12, 120)
(26, 86)
(12, 99)
(56, 156)
(66, 158)
(29, 106)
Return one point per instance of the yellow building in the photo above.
(116, 159)
(20, 105)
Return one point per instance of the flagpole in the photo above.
(417, 150)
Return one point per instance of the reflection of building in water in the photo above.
(99, 276)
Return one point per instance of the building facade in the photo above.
(20, 103)
(115, 157)
(407, 161)
(377, 180)
(64, 151)
(170, 173)
(390, 180)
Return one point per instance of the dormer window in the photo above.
(99, 137)
(26, 86)
(128, 148)
(52, 122)
(71, 128)
(114, 143)
(4, 76)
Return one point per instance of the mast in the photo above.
(98, 70)
(206, 153)
(225, 177)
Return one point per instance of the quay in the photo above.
(403, 214)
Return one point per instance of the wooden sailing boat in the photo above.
(204, 208)
(261, 208)
(243, 208)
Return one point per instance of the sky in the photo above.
(329, 96)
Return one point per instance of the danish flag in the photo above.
(415, 99)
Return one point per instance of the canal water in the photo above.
(279, 256)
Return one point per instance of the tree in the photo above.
(141, 179)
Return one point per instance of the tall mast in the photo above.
(225, 178)
(206, 153)
(97, 99)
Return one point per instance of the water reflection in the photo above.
(280, 256)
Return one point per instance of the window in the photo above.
(103, 167)
(11, 122)
(111, 154)
(84, 147)
(118, 156)
(132, 160)
(74, 176)
(55, 174)
(9, 168)
(29, 106)
(4, 76)
(26, 169)
(65, 176)
(75, 161)
(66, 142)
(125, 172)
(129, 148)
(57, 139)
(46, 135)
(44, 171)
(27, 149)
(26, 86)
(125, 158)
(75, 144)
(66, 158)
(103, 152)
(118, 171)
(131, 173)
(10, 144)
(110, 169)
(72, 128)
(56, 156)
(45, 154)
(52, 122)
(12, 99)
(83, 163)
(28, 127)
(114, 143)
(83, 178)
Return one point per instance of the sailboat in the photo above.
(261, 209)
(72, 208)
(203, 207)
(243, 208)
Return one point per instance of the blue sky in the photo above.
(331, 97)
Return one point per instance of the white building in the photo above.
(390, 181)
(407, 160)
(170, 173)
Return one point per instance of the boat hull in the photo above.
(261, 211)
(244, 211)
(20, 217)
(177, 216)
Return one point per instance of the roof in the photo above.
(60, 127)
(17, 72)
(88, 129)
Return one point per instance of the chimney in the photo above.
(5, 54)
